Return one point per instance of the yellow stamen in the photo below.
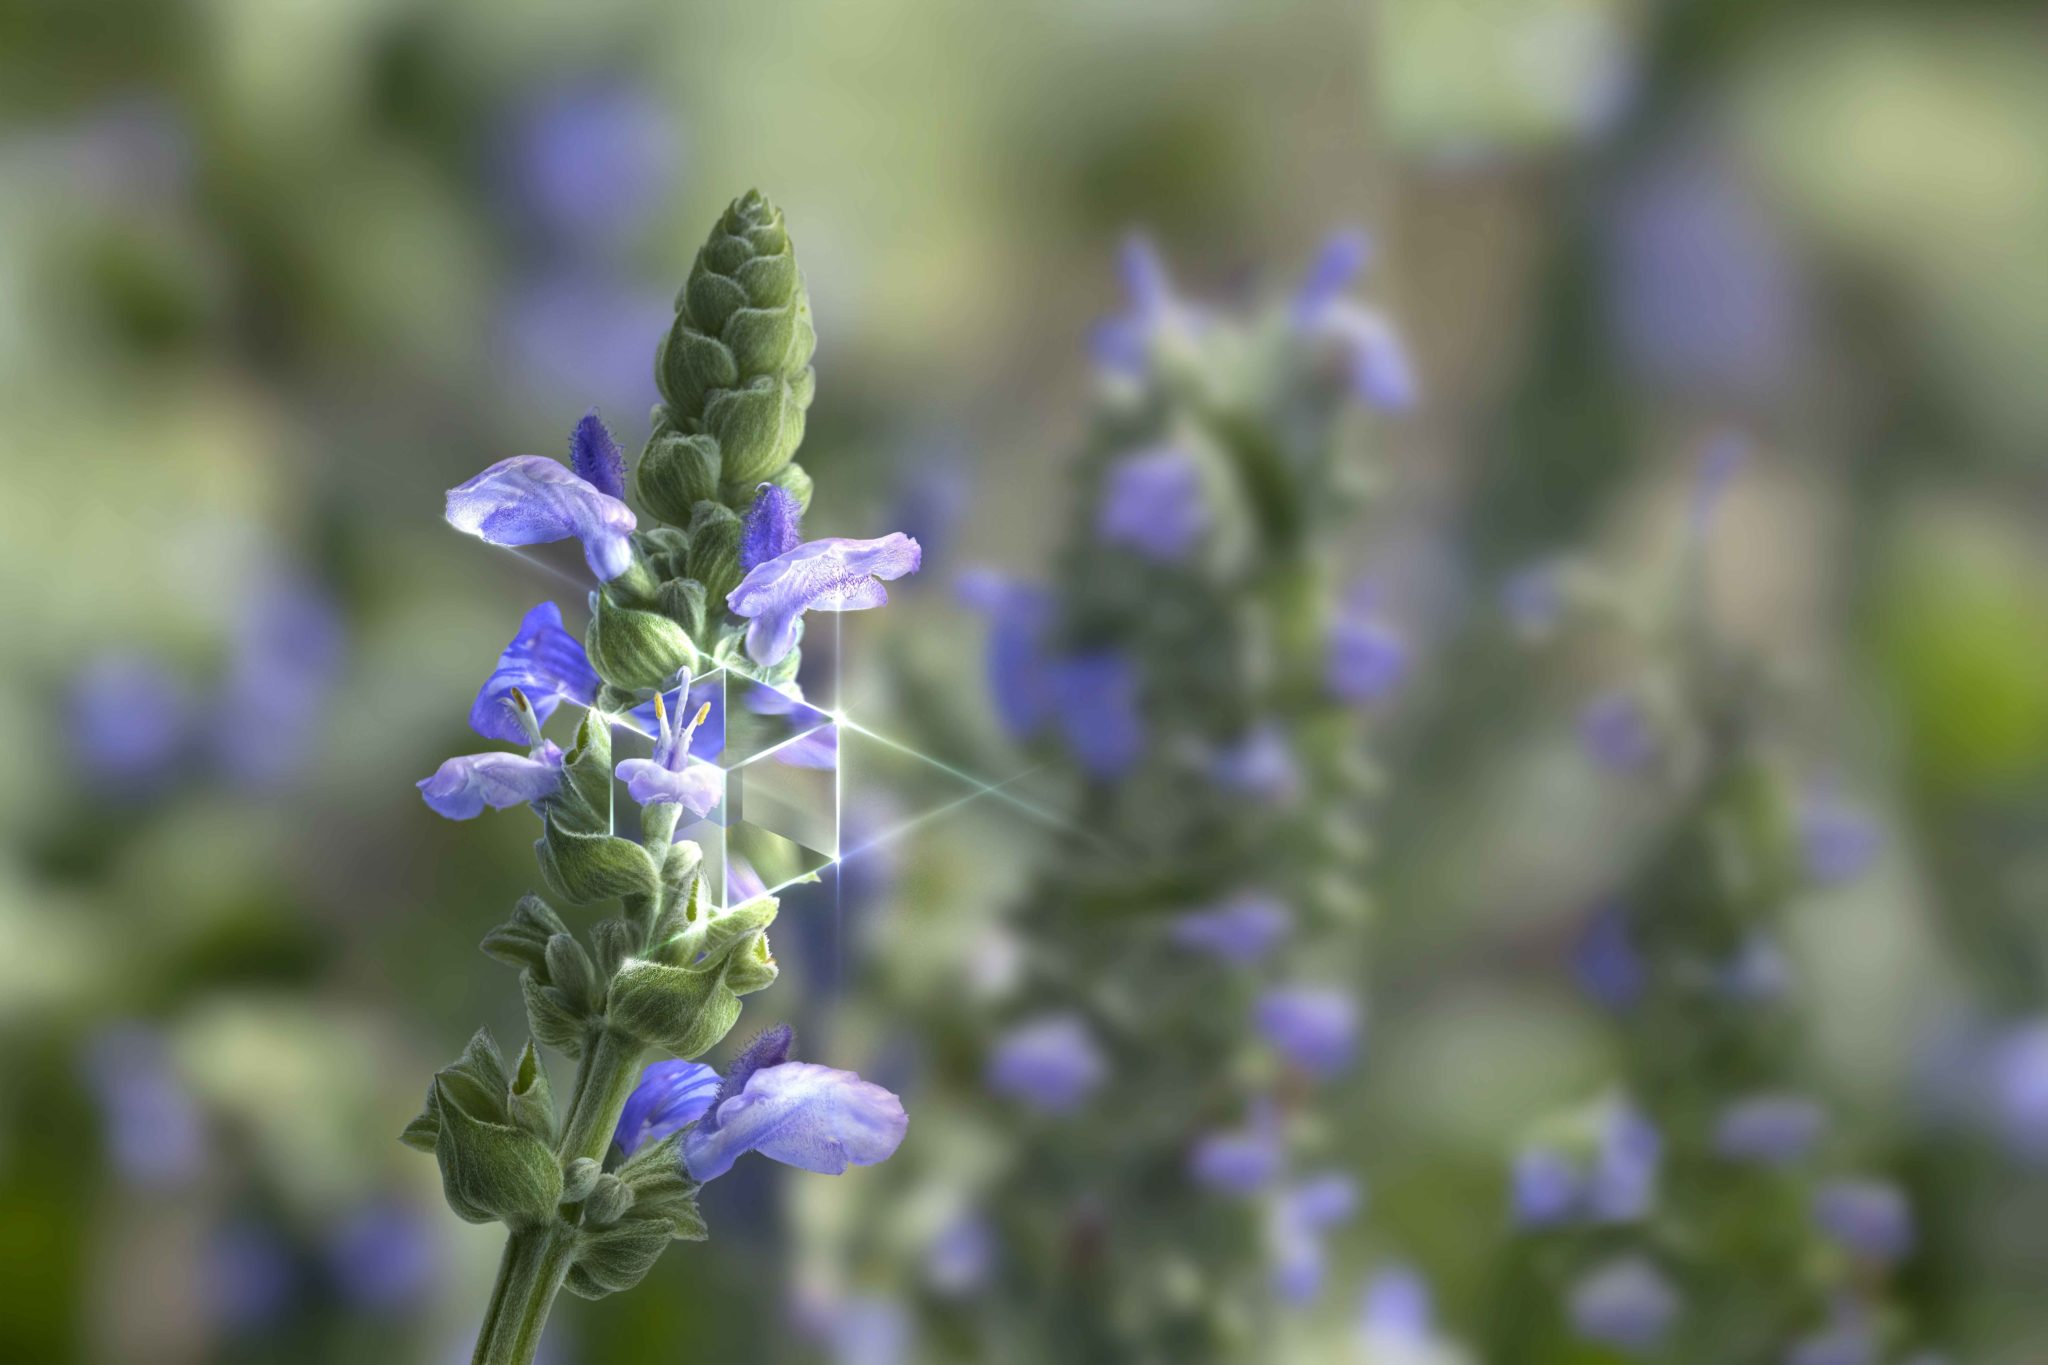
(660, 711)
(702, 712)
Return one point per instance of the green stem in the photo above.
(537, 1258)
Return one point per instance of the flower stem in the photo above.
(537, 1259)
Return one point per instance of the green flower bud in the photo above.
(682, 601)
(715, 550)
(612, 1259)
(522, 941)
(607, 1202)
(579, 1178)
(583, 868)
(675, 474)
(686, 997)
(583, 803)
(571, 971)
(635, 649)
(492, 1167)
(662, 1207)
(614, 940)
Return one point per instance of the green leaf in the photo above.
(683, 1010)
(522, 941)
(583, 868)
(530, 1102)
(552, 1018)
(613, 941)
(491, 1170)
(662, 1190)
(571, 972)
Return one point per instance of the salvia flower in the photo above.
(816, 1118)
(546, 663)
(671, 776)
(1243, 1160)
(383, 1257)
(1240, 931)
(592, 161)
(961, 1258)
(1154, 503)
(1847, 1340)
(1606, 963)
(247, 1276)
(130, 723)
(773, 526)
(1342, 256)
(671, 1096)
(1019, 615)
(154, 1132)
(1616, 732)
(288, 652)
(833, 574)
(1051, 1063)
(1545, 1188)
(1839, 842)
(1095, 704)
(1301, 1217)
(1769, 1130)
(1376, 364)
(1623, 1183)
(2017, 1075)
(1259, 767)
(1314, 1027)
(1625, 1303)
(532, 500)
(461, 787)
(1124, 344)
(1396, 1308)
(1869, 1218)
(1368, 657)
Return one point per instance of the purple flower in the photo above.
(287, 651)
(1095, 704)
(1533, 599)
(130, 722)
(820, 575)
(773, 526)
(1545, 1188)
(1123, 344)
(1624, 1176)
(671, 1096)
(1758, 973)
(1869, 1218)
(593, 161)
(1368, 658)
(1018, 668)
(1377, 363)
(1313, 1027)
(1153, 502)
(1396, 1307)
(531, 500)
(575, 334)
(462, 787)
(1300, 1219)
(1616, 733)
(1343, 254)
(1240, 931)
(812, 1117)
(596, 457)
(671, 776)
(1240, 1160)
(1839, 841)
(2017, 1071)
(154, 1134)
(1051, 1063)
(547, 664)
(961, 1258)
(383, 1257)
(1625, 1303)
(1846, 1341)
(1770, 1130)
(867, 1329)
(931, 497)
(1260, 767)
(248, 1276)
(1605, 960)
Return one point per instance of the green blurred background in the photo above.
(274, 275)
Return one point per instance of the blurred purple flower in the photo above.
(130, 721)
(931, 498)
(1397, 1307)
(671, 1095)
(1626, 1303)
(1153, 502)
(961, 1258)
(1846, 1341)
(866, 1329)
(1051, 1063)
(578, 335)
(2017, 1072)
(1624, 1177)
(1615, 732)
(1532, 598)
(1338, 262)
(1019, 615)
(288, 649)
(1869, 1218)
(1095, 704)
(593, 161)
(1770, 1130)
(1605, 961)
(152, 1130)
(531, 500)
(1240, 931)
(773, 526)
(1123, 344)
(1545, 1188)
(1368, 657)
(546, 663)
(1376, 361)
(384, 1257)
(1839, 841)
(672, 776)
(1259, 767)
(812, 1117)
(833, 574)
(1314, 1027)
(248, 1275)
(1240, 1161)
(1300, 1219)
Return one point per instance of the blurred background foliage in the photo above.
(277, 274)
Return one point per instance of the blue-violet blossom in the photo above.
(1051, 1063)
(834, 574)
(531, 500)
(1154, 503)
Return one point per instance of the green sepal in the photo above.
(579, 1178)
(553, 1019)
(682, 601)
(491, 1170)
(687, 996)
(668, 551)
(530, 1101)
(715, 550)
(582, 868)
(637, 650)
(478, 1075)
(607, 1201)
(522, 941)
(758, 426)
(662, 1208)
(680, 882)
(571, 972)
(613, 941)
(583, 803)
(675, 473)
